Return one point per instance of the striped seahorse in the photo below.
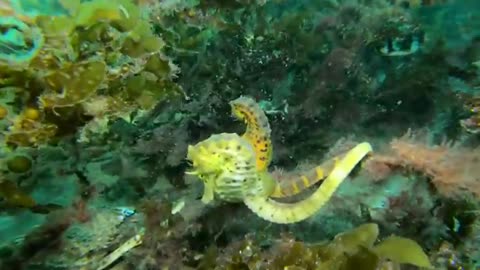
(258, 135)
(229, 166)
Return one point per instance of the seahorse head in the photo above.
(226, 164)
(220, 154)
(203, 161)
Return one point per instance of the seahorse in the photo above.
(258, 133)
(231, 169)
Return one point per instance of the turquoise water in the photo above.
(240, 134)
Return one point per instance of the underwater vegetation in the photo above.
(239, 134)
(348, 250)
(92, 62)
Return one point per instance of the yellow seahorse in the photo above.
(232, 170)
(258, 134)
